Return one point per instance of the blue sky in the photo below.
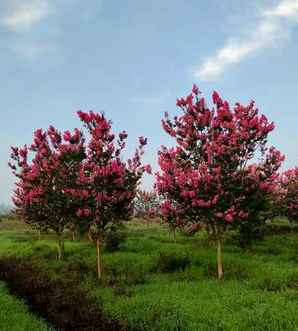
(133, 58)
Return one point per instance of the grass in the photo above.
(15, 316)
(259, 290)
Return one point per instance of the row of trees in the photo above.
(78, 179)
(221, 173)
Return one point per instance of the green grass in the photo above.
(259, 290)
(15, 316)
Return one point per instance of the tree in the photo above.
(262, 187)
(45, 171)
(146, 205)
(289, 182)
(106, 185)
(207, 177)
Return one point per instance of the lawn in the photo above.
(154, 283)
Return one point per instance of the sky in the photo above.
(132, 59)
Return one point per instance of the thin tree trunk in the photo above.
(73, 235)
(90, 237)
(219, 259)
(174, 234)
(98, 260)
(208, 229)
(60, 247)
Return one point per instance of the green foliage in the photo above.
(14, 315)
(169, 262)
(258, 292)
(250, 231)
(113, 239)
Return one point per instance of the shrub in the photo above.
(124, 274)
(170, 262)
(114, 238)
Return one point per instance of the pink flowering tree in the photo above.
(262, 196)
(146, 205)
(44, 172)
(106, 185)
(208, 177)
(289, 182)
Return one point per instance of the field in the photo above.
(14, 315)
(154, 283)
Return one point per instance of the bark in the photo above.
(98, 258)
(173, 232)
(219, 259)
(209, 230)
(73, 235)
(90, 237)
(60, 246)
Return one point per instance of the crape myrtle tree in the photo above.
(208, 177)
(146, 205)
(262, 198)
(44, 172)
(289, 182)
(106, 185)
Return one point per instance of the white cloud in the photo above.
(22, 15)
(286, 8)
(274, 25)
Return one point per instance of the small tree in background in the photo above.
(146, 205)
(262, 192)
(289, 182)
(206, 177)
(44, 172)
(106, 185)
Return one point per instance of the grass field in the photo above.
(141, 287)
(15, 316)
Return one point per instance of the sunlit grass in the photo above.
(14, 315)
(259, 290)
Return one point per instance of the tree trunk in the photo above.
(90, 237)
(208, 229)
(174, 234)
(73, 235)
(60, 246)
(98, 260)
(219, 259)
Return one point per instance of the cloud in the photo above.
(274, 25)
(22, 15)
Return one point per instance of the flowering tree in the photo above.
(289, 182)
(106, 185)
(44, 172)
(262, 198)
(207, 176)
(146, 204)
